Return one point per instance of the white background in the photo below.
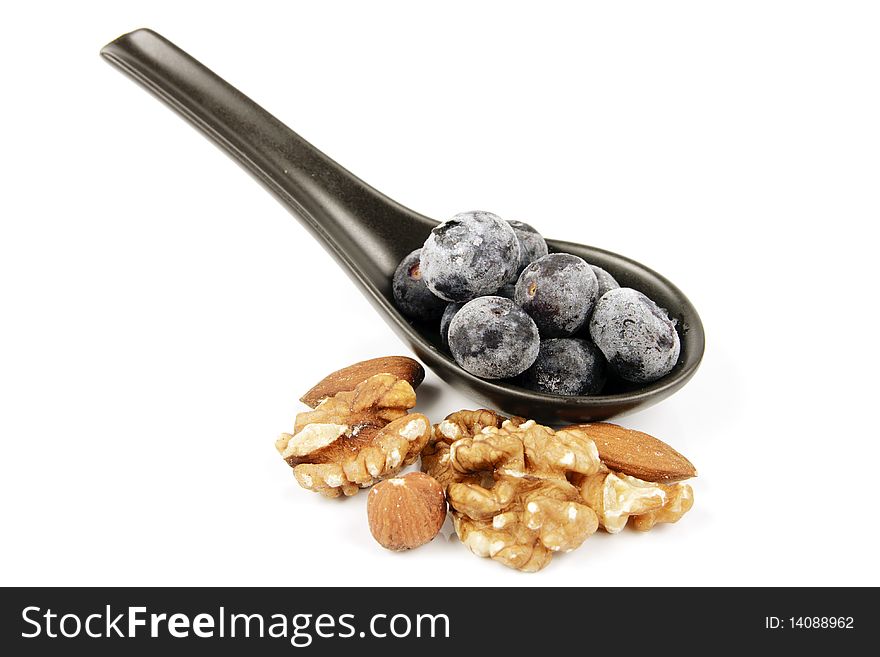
(161, 313)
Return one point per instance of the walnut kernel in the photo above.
(508, 486)
(356, 438)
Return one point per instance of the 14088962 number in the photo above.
(822, 622)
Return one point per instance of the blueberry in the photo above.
(446, 320)
(567, 366)
(558, 291)
(411, 296)
(635, 334)
(471, 255)
(606, 281)
(531, 245)
(493, 338)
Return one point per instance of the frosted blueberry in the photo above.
(446, 320)
(411, 296)
(567, 366)
(471, 255)
(635, 334)
(606, 281)
(493, 338)
(531, 245)
(558, 291)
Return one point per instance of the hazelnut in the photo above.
(406, 512)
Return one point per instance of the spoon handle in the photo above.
(361, 227)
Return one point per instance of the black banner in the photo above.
(397, 620)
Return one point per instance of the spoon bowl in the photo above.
(368, 233)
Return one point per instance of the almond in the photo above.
(637, 454)
(348, 378)
(406, 512)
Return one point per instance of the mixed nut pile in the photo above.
(508, 309)
(517, 491)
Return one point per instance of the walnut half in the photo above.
(617, 498)
(519, 491)
(356, 438)
(508, 486)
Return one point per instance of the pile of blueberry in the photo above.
(549, 322)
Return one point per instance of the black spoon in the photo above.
(368, 233)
